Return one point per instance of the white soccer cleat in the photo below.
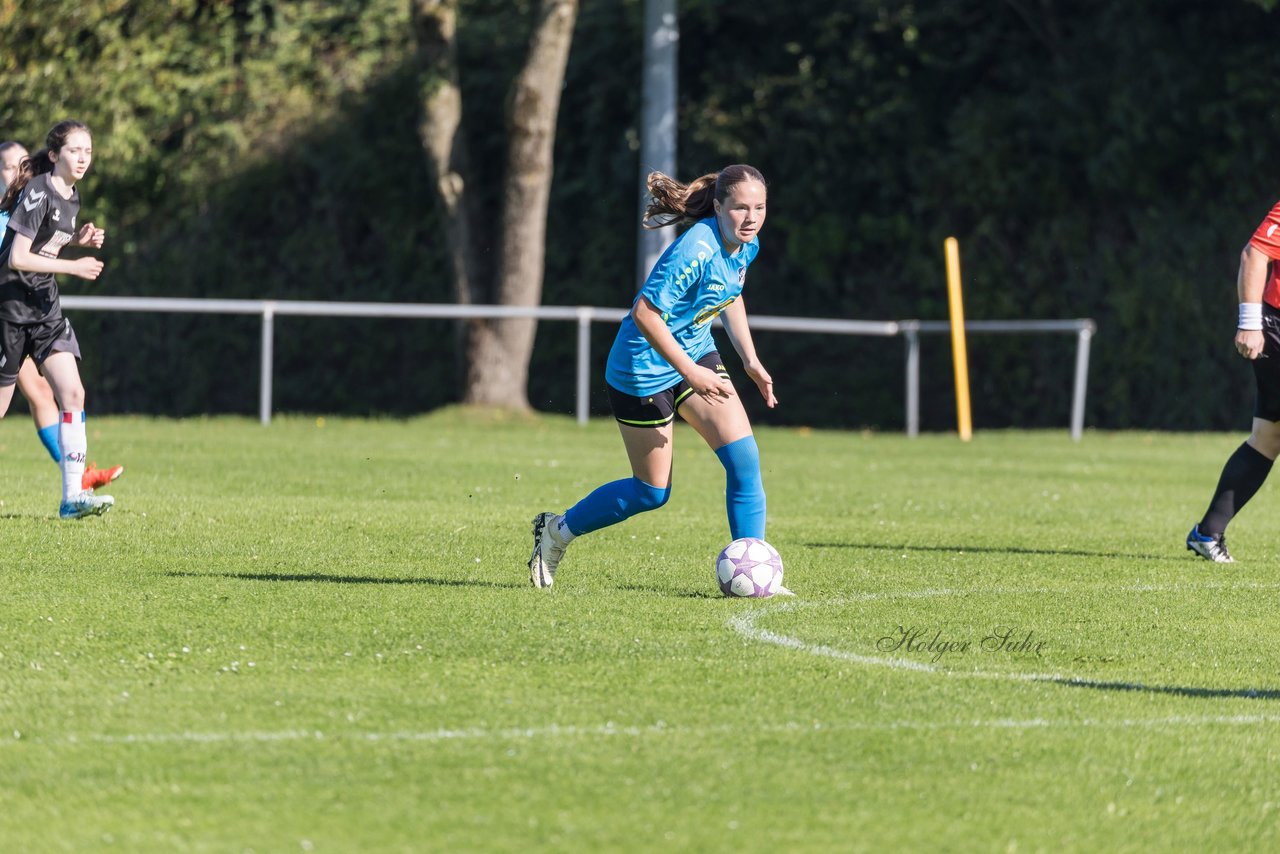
(548, 550)
(1210, 547)
(85, 504)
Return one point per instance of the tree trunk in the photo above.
(499, 353)
(435, 24)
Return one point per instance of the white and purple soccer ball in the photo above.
(749, 567)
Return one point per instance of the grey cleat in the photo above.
(548, 550)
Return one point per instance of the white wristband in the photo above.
(1250, 316)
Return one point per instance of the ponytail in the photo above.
(673, 203)
(40, 162)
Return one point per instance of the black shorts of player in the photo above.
(37, 340)
(1266, 368)
(655, 410)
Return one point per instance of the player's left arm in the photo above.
(735, 324)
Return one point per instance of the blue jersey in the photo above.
(4, 223)
(693, 281)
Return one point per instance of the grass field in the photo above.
(320, 636)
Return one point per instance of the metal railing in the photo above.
(1083, 328)
(584, 316)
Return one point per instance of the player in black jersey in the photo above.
(40, 401)
(43, 203)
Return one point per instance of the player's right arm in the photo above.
(22, 258)
(705, 382)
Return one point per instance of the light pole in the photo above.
(658, 118)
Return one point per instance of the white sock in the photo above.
(563, 534)
(75, 447)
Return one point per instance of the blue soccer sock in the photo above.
(744, 488)
(613, 502)
(49, 438)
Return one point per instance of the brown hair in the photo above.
(673, 202)
(39, 163)
(8, 144)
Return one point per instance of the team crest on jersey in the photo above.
(57, 215)
(742, 275)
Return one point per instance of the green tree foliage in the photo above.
(247, 149)
(1093, 158)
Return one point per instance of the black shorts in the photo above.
(655, 410)
(37, 340)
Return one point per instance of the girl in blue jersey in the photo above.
(664, 362)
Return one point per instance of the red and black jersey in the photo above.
(1267, 241)
(50, 221)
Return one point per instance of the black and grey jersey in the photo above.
(50, 221)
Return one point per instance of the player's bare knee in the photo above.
(71, 399)
(1265, 438)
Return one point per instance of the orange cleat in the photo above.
(95, 477)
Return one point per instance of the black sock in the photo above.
(1243, 474)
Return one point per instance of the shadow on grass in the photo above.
(345, 579)
(1175, 690)
(679, 594)
(987, 550)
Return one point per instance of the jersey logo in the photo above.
(57, 215)
(709, 314)
(33, 201)
(742, 275)
(1271, 229)
(53, 246)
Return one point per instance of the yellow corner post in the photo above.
(959, 355)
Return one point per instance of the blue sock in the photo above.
(744, 489)
(49, 438)
(613, 502)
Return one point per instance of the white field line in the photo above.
(634, 732)
(745, 625)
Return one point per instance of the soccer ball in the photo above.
(749, 567)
